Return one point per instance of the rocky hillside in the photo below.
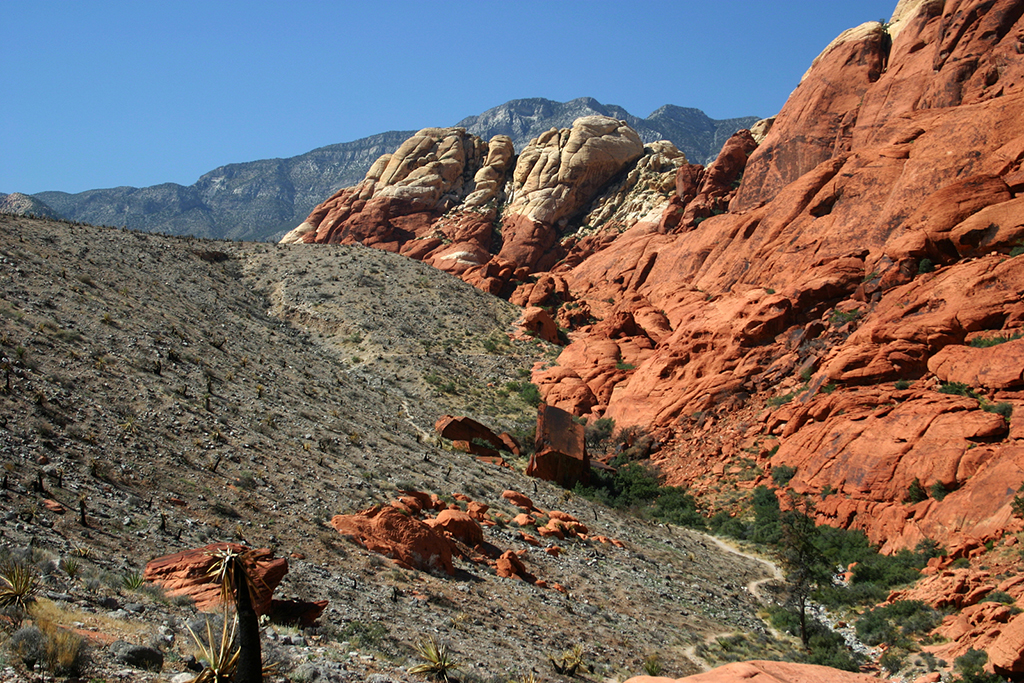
(25, 205)
(161, 393)
(839, 296)
(261, 200)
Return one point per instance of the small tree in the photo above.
(803, 562)
(1017, 506)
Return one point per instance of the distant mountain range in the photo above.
(261, 200)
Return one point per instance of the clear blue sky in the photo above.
(100, 94)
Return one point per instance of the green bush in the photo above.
(925, 265)
(599, 432)
(971, 668)
(895, 623)
(938, 490)
(958, 389)
(783, 474)
(531, 394)
(638, 488)
(1003, 408)
(985, 342)
(915, 492)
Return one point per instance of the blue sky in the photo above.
(102, 94)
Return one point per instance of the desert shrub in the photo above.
(938, 490)
(633, 443)
(894, 623)
(28, 645)
(902, 384)
(599, 432)
(970, 668)
(925, 265)
(364, 634)
(957, 389)
(1003, 408)
(889, 570)
(825, 647)
(1017, 505)
(767, 527)
(724, 524)
(829, 649)
(653, 666)
(892, 661)
(839, 318)
(776, 401)
(676, 506)
(638, 488)
(57, 650)
(530, 394)
(782, 474)
(999, 596)
(915, 492)
(985, 342)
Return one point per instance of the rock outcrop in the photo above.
(409, 542)
(764, 672)
(561, 454)
(868, 238)
(188, 573)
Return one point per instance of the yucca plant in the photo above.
(569, 661)
(71, 566)
(18, 590)
(239, 588)
(439, 661)
(220, 655)
(132, 580)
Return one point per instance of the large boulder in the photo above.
(461, 428)
(561, 453)
(389, 531)
(188, 573)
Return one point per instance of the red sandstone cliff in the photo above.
(865, 239)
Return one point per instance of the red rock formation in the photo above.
(188, 573)
(865, 240)
(765, 672)
(458, 525)
(467, 429)
(561, 454)
(405, 539)
(520, 500)
(509, 566)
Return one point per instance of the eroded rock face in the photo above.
(435, 199)
(863, 238)
(555, 177)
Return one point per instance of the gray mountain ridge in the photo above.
(261, 200)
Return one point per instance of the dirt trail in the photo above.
(754, 587)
